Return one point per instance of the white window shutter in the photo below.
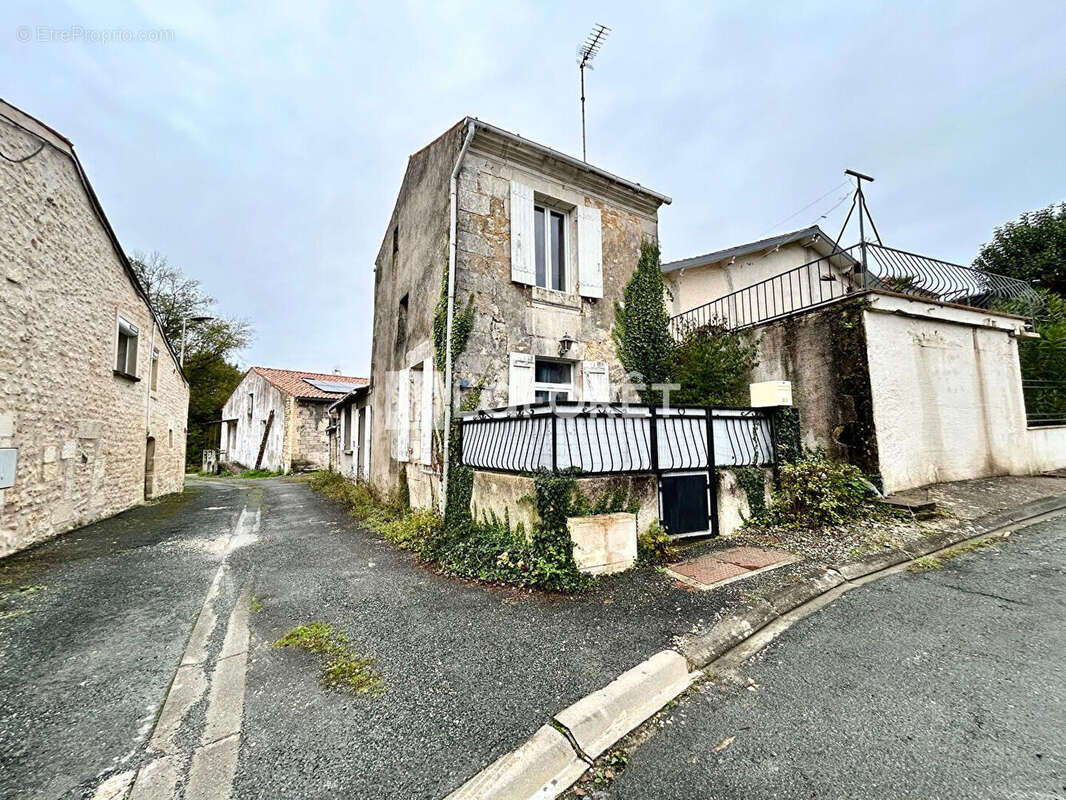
(403, 416)
(523, 256)
(366, 443)
(426, 422)
(589, 252)
(595, 382)
(520, 380)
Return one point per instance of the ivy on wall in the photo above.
(642, 326)
(847, 339)
(786, 435)
(462, 327)
(753, 481)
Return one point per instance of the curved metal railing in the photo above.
(600, 439)
(834, 277)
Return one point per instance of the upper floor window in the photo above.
(549, 244)
(126, 348)
(251, 404)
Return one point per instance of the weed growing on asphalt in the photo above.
(342, 668)
(489, 549)
(927, 563)
(256, 605)
(654, 546)
(258, 473)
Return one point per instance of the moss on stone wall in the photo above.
(851, 373)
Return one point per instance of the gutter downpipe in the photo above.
(452, 224)
(148, 399)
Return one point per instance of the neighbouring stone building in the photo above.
(278, 419)
(542, 245)
(93, 403)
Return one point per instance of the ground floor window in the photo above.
(553, 380)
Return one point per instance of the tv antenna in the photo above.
(587, 51)
(858, 200)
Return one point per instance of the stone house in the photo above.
(528, 247)
(93, 402)
(278, 419)
(905, 365)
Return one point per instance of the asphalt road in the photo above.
(943, 684)
(94, 625)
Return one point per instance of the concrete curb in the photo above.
(544, 767)
(554, 758)
(600, 719)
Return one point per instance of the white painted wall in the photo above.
(266, 397)
(947, 396)
(353, 451)
(695, 286)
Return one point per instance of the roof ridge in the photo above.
(745, 248)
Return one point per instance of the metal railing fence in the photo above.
(595, 439)
(831, 278)
(1045, 402)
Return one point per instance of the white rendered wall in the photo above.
(265, 398)
(947, 397)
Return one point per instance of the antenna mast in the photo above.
(587, 51)
(859, 200)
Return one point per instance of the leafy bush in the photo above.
(712, 366)
(654, 546)
(816, 490)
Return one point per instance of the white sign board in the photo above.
(9, 459)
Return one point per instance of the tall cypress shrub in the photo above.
(642, 325)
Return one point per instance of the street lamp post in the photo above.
(184, 322)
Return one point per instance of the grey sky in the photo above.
(261, 149)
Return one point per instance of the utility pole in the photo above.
(585, 53)
(184, 323)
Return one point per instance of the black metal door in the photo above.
(684, 503)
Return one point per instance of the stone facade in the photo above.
(298, 438)
(91, 442)
(515, 321)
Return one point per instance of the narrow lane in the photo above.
(93, 626)
(949, 683)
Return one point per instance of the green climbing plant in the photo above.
(642, 325)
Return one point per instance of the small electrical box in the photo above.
(771, 393)
(9, 461)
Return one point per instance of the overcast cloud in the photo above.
(261, 149)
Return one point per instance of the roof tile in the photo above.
(292, 382)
